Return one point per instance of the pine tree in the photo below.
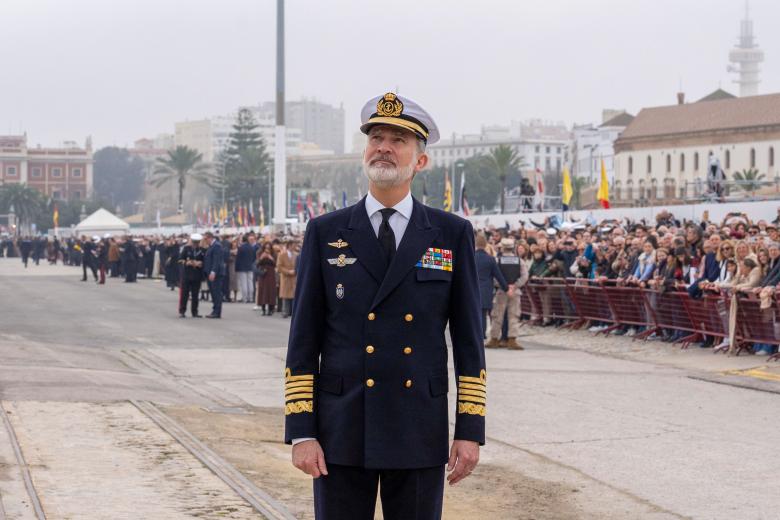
(247, 171)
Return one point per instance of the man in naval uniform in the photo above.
(366, 381)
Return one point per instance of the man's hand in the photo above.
(308, 457)
(464, 456)
(212, 277)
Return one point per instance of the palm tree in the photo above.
(750, 179)
(27, 202)
(181, 164)
(502, 160)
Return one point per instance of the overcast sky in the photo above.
(123, 69)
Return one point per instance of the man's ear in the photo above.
(422, 162)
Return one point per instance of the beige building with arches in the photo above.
(664, 153)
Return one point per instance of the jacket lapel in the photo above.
(417, 238)
(361, 239)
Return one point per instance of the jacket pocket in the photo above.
(433, 275)
(439, 385)
(330, 383)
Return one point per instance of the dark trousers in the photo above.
(215, 288)
(26, 258)
(350, 493)
(131, 272)
(189, 289)
(114, 269)
(102, 272)
(86, 263)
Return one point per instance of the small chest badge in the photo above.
(342, 261)
(338, 244)
(340, 292)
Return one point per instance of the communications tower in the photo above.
(745, 58)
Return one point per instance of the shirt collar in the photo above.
(404, 207)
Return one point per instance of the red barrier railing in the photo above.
(579, 301)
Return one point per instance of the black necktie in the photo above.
(386, 235)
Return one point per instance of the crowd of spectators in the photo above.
(734, 256)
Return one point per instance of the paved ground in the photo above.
(579, 427)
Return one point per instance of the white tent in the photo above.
(101, 222)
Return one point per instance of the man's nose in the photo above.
(384, 146)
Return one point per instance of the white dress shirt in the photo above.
(398, 222)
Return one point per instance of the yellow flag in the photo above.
(603, 195)
(447, 193)
(566, 190)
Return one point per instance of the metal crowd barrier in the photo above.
(578, 302)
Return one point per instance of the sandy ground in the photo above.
(496, 490)
(81, 455)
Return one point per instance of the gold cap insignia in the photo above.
(389, 106)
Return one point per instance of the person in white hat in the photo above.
(366, 380)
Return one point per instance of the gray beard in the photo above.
(388, 177)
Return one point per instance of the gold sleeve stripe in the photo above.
(290, 379)
(293, 397)
(299, 407)
(475, 399)
(298, 390)
(466, 379)
(472, 392)
(471, 409)
(471, 386)
(300, 384)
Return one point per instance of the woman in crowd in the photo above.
(232, 277)
(266, 279)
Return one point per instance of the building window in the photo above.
(35, 171)
(649, 164)
(752, 157)
(696, 161)
(771, 156)
(56, 172)
(558, 164)
(682, 162)
(668, 163)
(76, 195)
(10, 171)
(558, 150)
(75, 172)
(546, 163)
(536, 148)
(727, 159)
(547, 149)
(630, 165)
(56, 195)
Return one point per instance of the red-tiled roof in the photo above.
(719, 114)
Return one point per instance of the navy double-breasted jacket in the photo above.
(367, 359)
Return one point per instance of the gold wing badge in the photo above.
(338, 244)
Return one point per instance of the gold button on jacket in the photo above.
(369, 383)
(370, 349)
(371, 316)
(407, 350)
(408, 317)
(408, 383)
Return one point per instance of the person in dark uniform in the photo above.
(366, 381)
(130, 256)
(506, 303)
(39, 248)
(25, 248)
(171, 254)
(191, 261)
(487, 272)
(215, 270)
(88, 258)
